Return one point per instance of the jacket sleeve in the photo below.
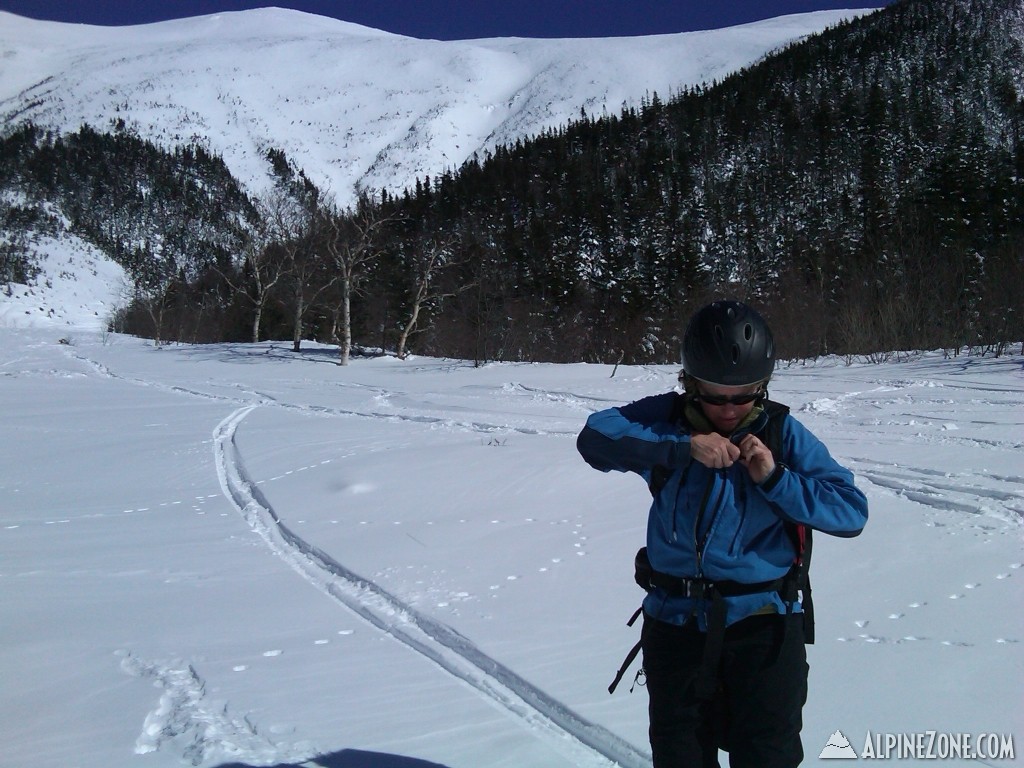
(635, 437)
(813, 488)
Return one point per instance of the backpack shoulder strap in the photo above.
(771, 436)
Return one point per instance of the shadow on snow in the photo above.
(242, 352)
(352, 758)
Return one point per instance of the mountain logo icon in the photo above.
(838, 748)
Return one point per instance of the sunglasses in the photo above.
(729, 399)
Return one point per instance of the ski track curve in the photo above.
(589, 743)
(247, 397)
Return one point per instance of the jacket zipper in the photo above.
(700, 542)
(675, 505)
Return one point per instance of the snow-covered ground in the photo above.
(78, 287)
(237, 555)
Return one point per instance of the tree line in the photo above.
(864, 188)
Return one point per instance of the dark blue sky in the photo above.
(458, 19)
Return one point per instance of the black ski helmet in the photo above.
(729, 344)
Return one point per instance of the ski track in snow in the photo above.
(982, 502)
(947, 492)
(264, 399)
(589, 744)
(183, 710)
(979, 506)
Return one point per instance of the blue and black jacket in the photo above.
(717, 524)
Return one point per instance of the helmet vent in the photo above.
(728, 343)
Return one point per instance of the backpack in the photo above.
(790, 586)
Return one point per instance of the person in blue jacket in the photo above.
(723, 635)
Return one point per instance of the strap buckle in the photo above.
(699, 589)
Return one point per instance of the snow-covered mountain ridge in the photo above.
(353, 106)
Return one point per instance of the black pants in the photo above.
(763, 677)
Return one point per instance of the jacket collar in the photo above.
(753, 423)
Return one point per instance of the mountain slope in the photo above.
(354, 107)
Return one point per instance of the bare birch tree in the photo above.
(264, 263)
(431, 258)
(308, 277)
(352, 242)
(151, 287)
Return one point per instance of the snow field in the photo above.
(240, 555)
